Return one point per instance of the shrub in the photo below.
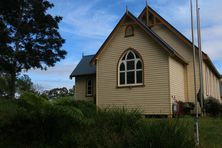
(35, 121)
(213, 106)
(188, 107)
(185, 108)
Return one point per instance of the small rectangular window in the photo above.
(89, 88)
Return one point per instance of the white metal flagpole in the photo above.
(200, 54)
(196, 123)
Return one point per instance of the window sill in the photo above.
(130, 86)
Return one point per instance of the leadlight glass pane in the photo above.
(122, 78)
(130, 65)
(139, 76)
(122, 67)
(130, 77)
(130, 56)
(139, 65)
(137, 56)
(89, 82)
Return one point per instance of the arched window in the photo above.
(130, 69)
(129, 31)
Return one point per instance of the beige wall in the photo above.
(187, 53)
(177, 80)
(221, 89)
(154, 96)
(184, 51)
(211, 83)
(80, 87)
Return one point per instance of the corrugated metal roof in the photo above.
(84, 67)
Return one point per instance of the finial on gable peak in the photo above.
(127, 9)
(147, 3)
(147, 13)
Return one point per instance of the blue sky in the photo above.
(86, 24)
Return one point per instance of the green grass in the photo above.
(211, 132)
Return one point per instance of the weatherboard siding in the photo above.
(211, 83)
(154, 96)
(221, 89)
(177, 80)
(80, 87)
(187, 52)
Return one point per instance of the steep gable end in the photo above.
(148, 31)
(156, 19)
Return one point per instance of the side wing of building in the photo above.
(221, 87)
(85, 79)
(211, 88)
(184, 47)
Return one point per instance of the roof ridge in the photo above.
(88, 55)
(165, 46)
(181, 34)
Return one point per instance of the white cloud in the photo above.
(85, 20)
(57, 76)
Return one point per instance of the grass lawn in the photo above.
(211, 132)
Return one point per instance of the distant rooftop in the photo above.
(84, 67)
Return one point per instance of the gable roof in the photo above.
(147, 30)
(206, 58)
(84, 67)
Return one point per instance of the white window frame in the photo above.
(87, 88)
(135, 70)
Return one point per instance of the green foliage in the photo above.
(29, 37)
(24, 83)
(210, 132)
(164, 133)
(186, 107)
(213, 106)
(59, 92)
(4, 87)
(35, 121)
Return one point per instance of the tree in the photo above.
(4, 86)
(24, 83)
(57, 92)
(72, 91)
(29, 37)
